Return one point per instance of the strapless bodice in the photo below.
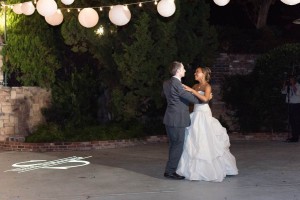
(204, 107)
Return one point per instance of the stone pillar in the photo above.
(226, 65)
(20, 111)
(1, 64)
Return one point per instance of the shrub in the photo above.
(46, 133)
(113, 131)
(256, 98)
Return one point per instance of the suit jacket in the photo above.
(177, 112)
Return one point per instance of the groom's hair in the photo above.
(174, 67)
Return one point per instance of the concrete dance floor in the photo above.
(267, 171)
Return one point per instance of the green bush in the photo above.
(112, 131)
(46, 133)
(256, 98)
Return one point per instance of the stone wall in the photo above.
(109, 144)
(20, 111)
(228, 64)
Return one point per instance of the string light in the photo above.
(119, 14)
(100, 31)
(98, 7)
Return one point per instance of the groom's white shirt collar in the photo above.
(177, 78)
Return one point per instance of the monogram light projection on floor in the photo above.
(63, 163)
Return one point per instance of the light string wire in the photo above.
(99, 7)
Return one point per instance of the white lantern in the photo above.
(296, 21)
(55, 19)
(17, 8)
(166, 8)
(27, 8)
(221, 2)
(46, 7)
(67, 2)
(88, 17)
(119, 15)
(291, 2)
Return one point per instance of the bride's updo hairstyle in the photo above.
(206, 71)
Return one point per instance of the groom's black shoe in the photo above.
(174, 176)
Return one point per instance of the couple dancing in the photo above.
(198, 144)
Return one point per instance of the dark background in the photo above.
(281, 17)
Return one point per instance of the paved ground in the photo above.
(268, 171)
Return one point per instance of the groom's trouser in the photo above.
(176, 141)
(294, 117)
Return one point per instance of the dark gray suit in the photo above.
(176, 119)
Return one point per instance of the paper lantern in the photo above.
(296, 21)
(166, 8)
(119, 15)
(88, 17)
(221, 2)
(17, 8)
(67, 2)
(46, 7)
(55, 19)
(27, 8)
(291, 2)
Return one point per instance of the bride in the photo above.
(206, 154)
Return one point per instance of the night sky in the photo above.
(280, 15)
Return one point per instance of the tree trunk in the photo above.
(257, 11)
(262, 14)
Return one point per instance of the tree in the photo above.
(127, 63)
(139, 66)
(196, 39)
(144, 58)
(257, 11)
(31, 51)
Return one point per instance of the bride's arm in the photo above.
(204, 98)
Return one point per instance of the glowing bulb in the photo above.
(100, 9)
(68, 10)
(100, 31)
(140, 4)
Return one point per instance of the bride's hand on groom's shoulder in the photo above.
(187, 88)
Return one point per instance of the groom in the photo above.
(177, 117)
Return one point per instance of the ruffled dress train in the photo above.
(206, 155)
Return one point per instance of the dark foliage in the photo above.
(256, 99)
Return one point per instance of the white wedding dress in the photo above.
(206, 154)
